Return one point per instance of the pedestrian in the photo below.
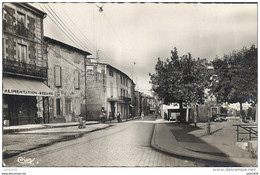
(142, 116)
(81, 122)
(118, 116)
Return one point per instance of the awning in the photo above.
(15, 86)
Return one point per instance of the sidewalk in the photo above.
(184, 140)
(29, 127)
(23, 138)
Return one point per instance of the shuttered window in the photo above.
(58, 107)
(76, 79)
(57, 75)
(22, 53)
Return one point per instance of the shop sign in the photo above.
(27, 92)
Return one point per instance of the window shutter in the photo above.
(76, 79)
(57, 74)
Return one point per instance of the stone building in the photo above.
(153, 104)
(110, 90)
(67, 78)
(25, 95)
(138, 103)
(145, 105)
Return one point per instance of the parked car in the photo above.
(173, 119)
(220, 118)
(175, 116)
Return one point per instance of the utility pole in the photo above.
(97, 54)
(132, 71)
(209, 113)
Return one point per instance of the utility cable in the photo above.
(82, 34)
(68, 29)
(54, 20)
(41, 41)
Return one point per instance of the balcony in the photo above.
(19, 68)
(125, 99)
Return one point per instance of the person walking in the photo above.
(118, 116)
(142, 116)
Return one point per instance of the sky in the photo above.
(140, 33)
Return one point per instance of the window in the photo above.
(21, 27)
(57, 76)
(76, 79)
(111, 73)
(58, 106)
(121, 79)
(21, 18)
(111, 90)
(22, 53)
(121, 92)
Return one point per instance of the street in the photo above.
(122, 145)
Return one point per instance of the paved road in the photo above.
(124, 144)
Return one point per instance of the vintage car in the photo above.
(220, 117)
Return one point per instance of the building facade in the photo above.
(109, 90)
(138, 103)
(25, 94)
(67, 78)
(154, 104)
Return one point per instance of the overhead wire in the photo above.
(46, 43)
(106, 61)
(58, 24)
(60, 27)
(41, 41)
(106, 58)
(75, 25)
(116, 33)
(82, 44)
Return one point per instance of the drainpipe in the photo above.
(85, 69)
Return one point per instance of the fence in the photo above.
(244, 129)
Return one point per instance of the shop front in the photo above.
(25, 101)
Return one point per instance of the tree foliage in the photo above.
(180, 79)
(236, 77)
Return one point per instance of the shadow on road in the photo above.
(195, 144)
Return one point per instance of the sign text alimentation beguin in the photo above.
(27, 92)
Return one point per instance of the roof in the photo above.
(116, 70)
(33, 9)
(53, 41)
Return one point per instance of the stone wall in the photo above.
(96, 91)
(72, 99)
(30, 35)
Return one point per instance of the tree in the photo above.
(236, 77)
(180, 80)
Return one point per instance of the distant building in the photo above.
(153, 104)
(109, 90)
(67, 78)
(25, 95)
(145, 105)
(138, 103)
